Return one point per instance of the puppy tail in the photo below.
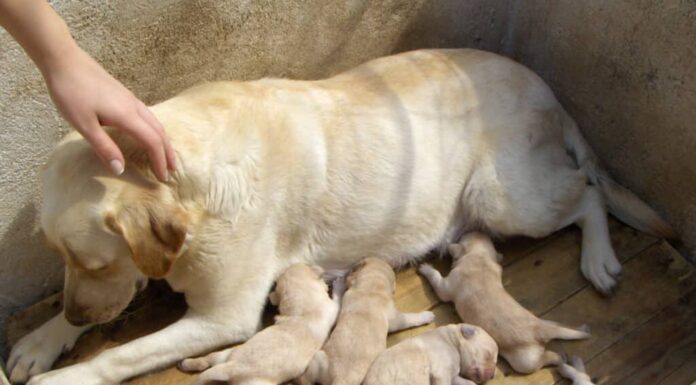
(549, 330)
(317, 371)
(621, 202)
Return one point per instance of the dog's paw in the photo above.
(573, 369)
(82, 374)
(216, 373)
(427, 317)
(35, 353)
(426, 269)
(602, 272)
(193, 365)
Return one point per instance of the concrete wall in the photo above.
(626, 70)
(158, 48)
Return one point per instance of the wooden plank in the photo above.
(649, 354)
(551, 274)
(685, 374)
(653, 280)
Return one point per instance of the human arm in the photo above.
(87, 96)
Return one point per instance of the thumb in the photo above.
(104, 146)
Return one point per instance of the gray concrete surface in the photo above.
(626, 70)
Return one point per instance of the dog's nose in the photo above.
(76, 316)
(76, 320)
(488, 374)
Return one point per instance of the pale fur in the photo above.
(452, 354)
(367, 314)
(391, 159)
(476, 288)
(282, 351)
(574, 370)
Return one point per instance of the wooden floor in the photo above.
(644, 334)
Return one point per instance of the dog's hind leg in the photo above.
(598, 261)
(549, 330)
(317, 371)
(439, 284)
(400, 321)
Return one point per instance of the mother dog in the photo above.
(391, 159)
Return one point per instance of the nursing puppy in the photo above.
(448, 355)
(367, 315)
(280, 352)
(575, 371)
(475, 286)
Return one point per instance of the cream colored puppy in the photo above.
(280, 352)
(367, 315)
(475, 286)
(575, 371)
(448, 355)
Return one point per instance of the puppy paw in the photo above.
(427, 317)
(426, 269)
(574, 370)
(216, 373)
(193, 365)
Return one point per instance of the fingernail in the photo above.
(166, 176)
(116, 166)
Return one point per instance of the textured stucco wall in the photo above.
(158, 48)
(626, 70)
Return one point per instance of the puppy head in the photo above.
(298, 286)
(478, 353)
(372, 270)
(113, 232)
(475, 244)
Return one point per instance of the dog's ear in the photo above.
(154, 231)
(468, 331)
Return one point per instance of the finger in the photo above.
(149, 117)
(148, 138)
(104, 146)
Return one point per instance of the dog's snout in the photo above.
(76, 318)
(488, 374)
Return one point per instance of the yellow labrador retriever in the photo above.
(391, 159)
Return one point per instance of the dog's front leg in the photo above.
(189, 336)
(35, 353)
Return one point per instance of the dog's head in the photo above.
(113, 232)
(374, 270)
(478, 353)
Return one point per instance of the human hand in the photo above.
(88, 97)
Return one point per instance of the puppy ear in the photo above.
(455, 249)
(468, 331)
(155, 233)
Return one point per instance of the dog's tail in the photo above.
(549, 330)
(317, 371)
(622, 203)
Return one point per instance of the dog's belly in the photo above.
(414, 152)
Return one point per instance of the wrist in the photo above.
(57, 55)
